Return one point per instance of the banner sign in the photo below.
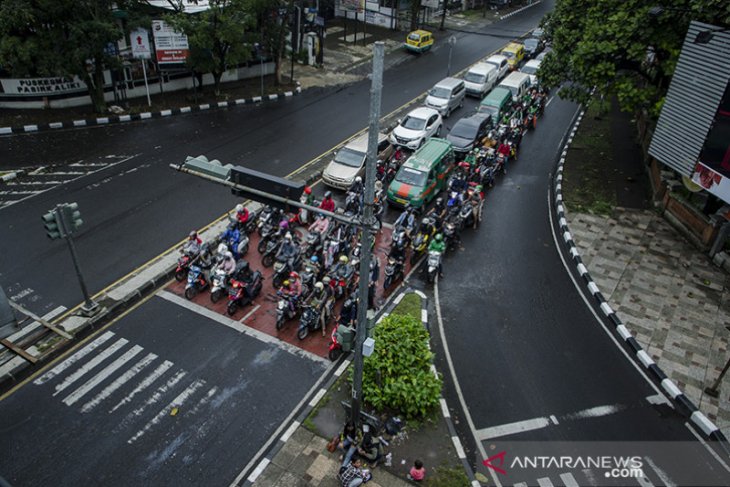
(170, 47)
(42, 86)
(712, 172)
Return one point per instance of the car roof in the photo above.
(360, 143)
(421, 32)
(473, 120)
(497, 93)
(512, 46)
(432, 150)
(422, 112)
(481, 67)
(497, 58)
(532, 40)
(533, 62)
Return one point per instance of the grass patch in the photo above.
(588, 177)
(446, 476)
(410, 305)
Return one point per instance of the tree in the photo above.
(622, 48)
(69, 38)
(415, 10)
(272, 18)
(219, 37)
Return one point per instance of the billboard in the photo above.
(712, 171)
(171, 47)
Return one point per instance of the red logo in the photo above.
(497, 468)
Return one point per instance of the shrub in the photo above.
(398, 375)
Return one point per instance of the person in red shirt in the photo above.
(327, 204)
(241, 214)
(417, 472)
(504, 150)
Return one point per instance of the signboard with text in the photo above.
(171, 47)
(140, 42)
(42, 86)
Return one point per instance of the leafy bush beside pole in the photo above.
(398, 375)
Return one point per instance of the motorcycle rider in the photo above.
(320, 225)
(342, 268)
(205, 258)
(318, 300)
(295, 285)
(327, 203)
(241, 215)
(191, 246)
(228, 264)
(426, 227)
(348, 313)
(504, 150)
(438, 245)
(438, 212)
(288, 251)
(316, 268)
(407, 219)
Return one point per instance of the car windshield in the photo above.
(414, 177)
(464, 130)
(349, 157)
(529, 69)
(531, 44)
(493, 111)
(474, 77)
(414, 37)
(438, 92)
(413, 123)
(508, 54)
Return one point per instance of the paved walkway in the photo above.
(670, 295)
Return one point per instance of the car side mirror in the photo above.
(398, 121)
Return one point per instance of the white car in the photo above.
(413, 130)
(530, 68)
(501, 64)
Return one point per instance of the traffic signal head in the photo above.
(72, 216)
(53, 229)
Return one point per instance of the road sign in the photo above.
(171, 47)
(140, 42)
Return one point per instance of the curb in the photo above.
(444, 407)
(519, 10)
(113, 119)
(9, 176)
(686, 406)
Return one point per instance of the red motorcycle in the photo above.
(343, 338)
(183, 266)
(241, 293)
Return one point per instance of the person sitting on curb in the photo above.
(370, 450)
(349, 439)
(354, 475)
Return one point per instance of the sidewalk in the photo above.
(671, 297)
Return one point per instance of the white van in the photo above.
(517, 83)
(480, 79)
(446, 96)
(530, 69)
(501, 63)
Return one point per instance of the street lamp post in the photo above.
(260, 51)
(452, 42)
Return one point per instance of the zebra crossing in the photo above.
(34, 181)
(110, 372)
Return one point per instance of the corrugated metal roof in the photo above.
(699, 81)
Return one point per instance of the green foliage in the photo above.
(446, 476)
(219, 37)
(410, 305)
(398, 375)
(620, 48)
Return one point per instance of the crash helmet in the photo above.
(193, 235)
(228, 254)
(327, 194)
(378, 185)
(307, 190)
(286, 283)
(283, 224)
(425, 221)
(438, 237)
(239, 208)
(439, 201)
(293, 275)
(314, 259)
(326, 280)
(478, 188)
(287, 236)
(319, 286)
(358, 179)
(222, 248)
(343, 259)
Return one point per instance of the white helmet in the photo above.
(319, 286)
(239, 208)
(287, 236)
(222, 248)
(228, 254)
(358, 179)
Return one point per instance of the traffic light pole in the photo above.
(90, 308)
(376, 88)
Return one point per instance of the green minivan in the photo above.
(496, 103)
(423, 174)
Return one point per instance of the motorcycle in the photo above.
(393, 271)
(286, 309)
(466, 216)
(183, 267)
(434, 262)
(342, 277)
(241, 293)
(235, 240)
(309, 321)
(282, 269)
(218, 285)
(270, 251)
(420, 244)
(196, 282)
(312, 244)
(267, 217)
(451, 236)
(342, 340)
(308, 276)
(352, 202)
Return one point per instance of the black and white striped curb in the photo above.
(502, 17)
(9, 176)
(113, 119)
(683, 403)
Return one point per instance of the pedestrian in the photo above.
(349, 440)
(354, 475)
(370, 449)
(417, 472)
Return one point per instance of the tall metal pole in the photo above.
(90, 307)
(376, 88)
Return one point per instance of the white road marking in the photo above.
(644, 481)
(157, 395)
(290, 431)
(317, 397)
(259, 469)
(666, 481)
(342, 368)
(568, 480)
(176, 403)
(246, 316)
(595, 412)
(90, 365)
(544, 482)
(554, 419)
(144, 384)
(119, 382)
(511, 428)
(658, 399)
(709, 448)
(98, 378)
(589, 475)
(58, 369)
(36, 324)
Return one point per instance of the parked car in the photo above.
(419, 41)
(413, 130)
(467, 131)
(537, 32)
(500, 62)
(515, 53)
(349, 161)
(533, 47)
(542, 55)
